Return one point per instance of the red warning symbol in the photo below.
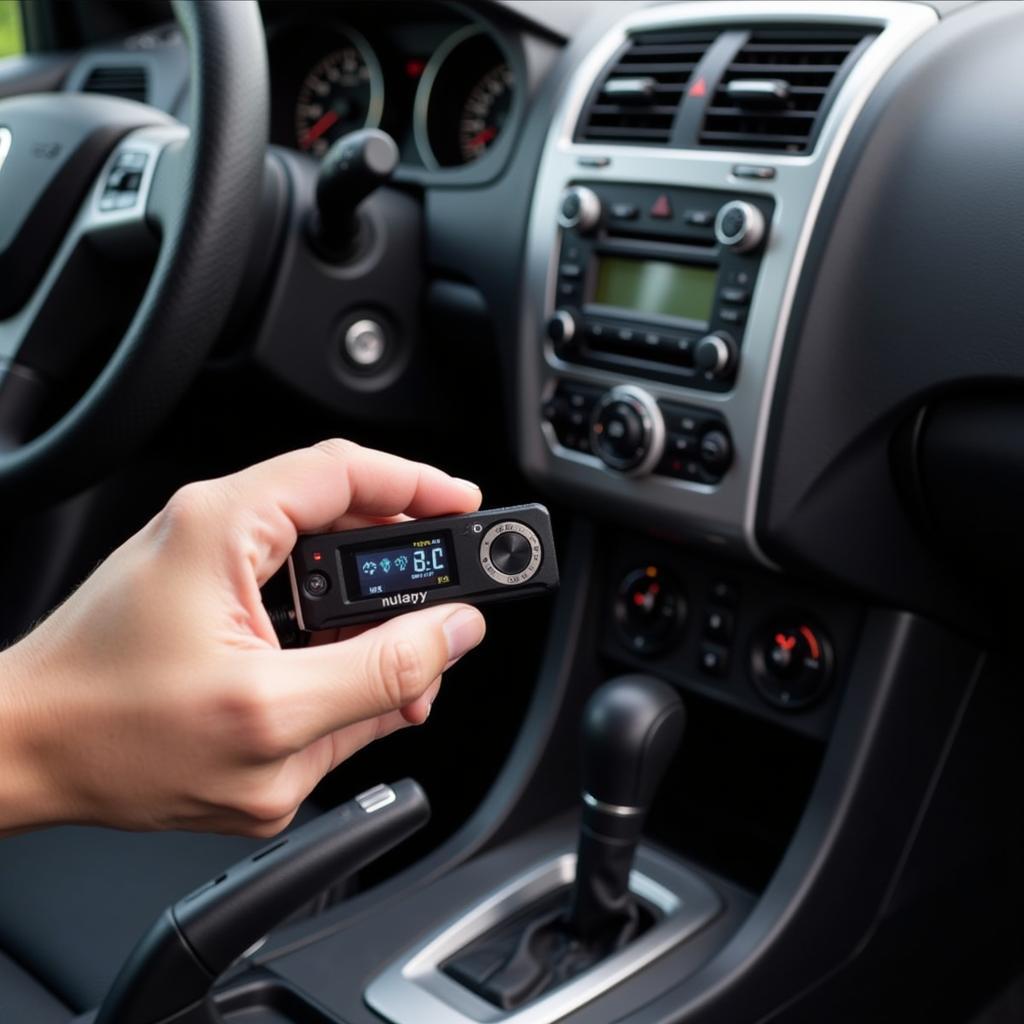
(662, 208)
(699, 88)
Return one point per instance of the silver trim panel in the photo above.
(726, 512)
(414, 989)
(621, 810)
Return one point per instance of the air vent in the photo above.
(776, 92)
(127, 81)
(640, 94)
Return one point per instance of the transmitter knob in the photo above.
(510, 553)
(739, 226)
(627, 430)
(715, 354)
(580, 208)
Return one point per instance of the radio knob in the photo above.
(627, 430)
(715, 354)
(580, 208)
(739, 226)
(562, 327)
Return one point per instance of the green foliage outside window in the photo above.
(12, 40)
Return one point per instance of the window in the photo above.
(11, 38)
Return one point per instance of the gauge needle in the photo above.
(483, 137)
(316, 130)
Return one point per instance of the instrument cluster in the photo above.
(442, 85)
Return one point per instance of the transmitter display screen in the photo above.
(420, 563)
(656, 286)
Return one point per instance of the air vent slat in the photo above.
(667, 59)
(127, 81)
(803, 64)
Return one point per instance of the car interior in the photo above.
(734, 289)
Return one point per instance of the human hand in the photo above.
(158, 696)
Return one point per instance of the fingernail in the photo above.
(466, 483)
(463, 631)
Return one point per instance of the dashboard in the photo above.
(440, 81)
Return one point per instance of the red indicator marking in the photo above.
(812, 641)
(699, 88)
(639, 599)
(662, 208)
(787, 643)
(482, 138)
(318, 556)
(414, 67)
(654, 589)
(319, 128)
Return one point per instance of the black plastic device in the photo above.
(382, 571)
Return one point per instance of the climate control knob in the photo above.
(627, 430)
(739, 226)
(715, 355)
(580, 208)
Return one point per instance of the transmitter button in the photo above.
(316, 584)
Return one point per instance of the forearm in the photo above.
(29, 795)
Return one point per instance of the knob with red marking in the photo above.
(650, 610)
(791, 662)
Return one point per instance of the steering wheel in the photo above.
(89, 185)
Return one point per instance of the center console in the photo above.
(666, 242)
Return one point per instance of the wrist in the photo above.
(29, 794)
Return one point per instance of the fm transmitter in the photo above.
(375, 573)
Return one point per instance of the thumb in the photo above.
(380, 670)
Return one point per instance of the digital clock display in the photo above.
(420, 563)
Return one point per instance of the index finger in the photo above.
(309, 489)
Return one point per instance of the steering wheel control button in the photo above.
(715, 355)
(627, 430)
(790, 663)
(365, 344)
(124, 181)
(316, 584)
(510, 553)
(739, 226)
(650, 610)
(580, 208)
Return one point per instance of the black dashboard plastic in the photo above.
(915, 293)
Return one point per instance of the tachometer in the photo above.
(342, 92)
(485, 111)
(464, 100)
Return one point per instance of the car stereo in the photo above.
(655, 281)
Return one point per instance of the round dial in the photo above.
(650, 610)
(342, 92)
(510, 553)
(484, 112)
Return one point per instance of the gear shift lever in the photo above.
(632, 727)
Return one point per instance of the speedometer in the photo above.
(342, 92)
(484, 113)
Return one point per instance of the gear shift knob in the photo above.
(632, 727)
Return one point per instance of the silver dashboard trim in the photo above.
(726, 512)
(414, 989)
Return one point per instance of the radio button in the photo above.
(580, 208)
(570, 270)
(715, 354)
(623, 211)
(730, 314)
(739, 226)
(716, 451)
(740, 296)
(562, 328)
(700, 218)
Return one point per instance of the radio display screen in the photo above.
(656, 286)
(420, 563)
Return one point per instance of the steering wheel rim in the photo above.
(211, 184)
